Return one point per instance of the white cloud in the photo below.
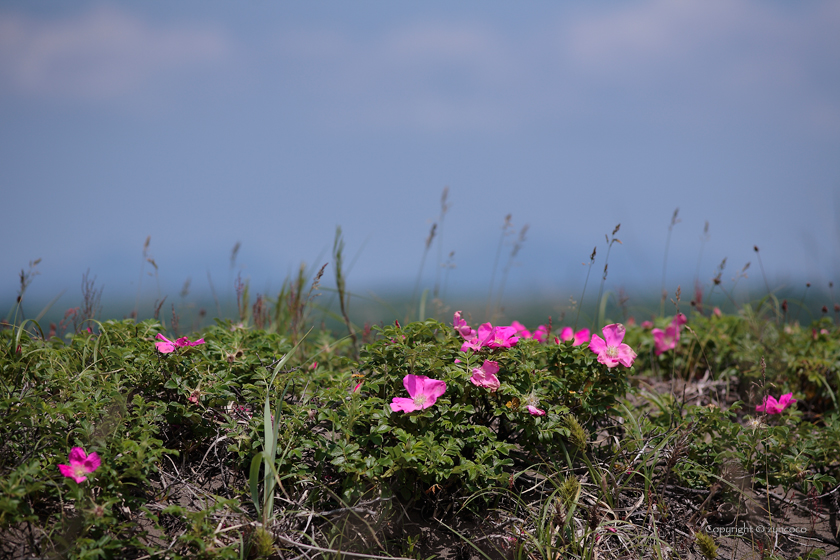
(99, 55)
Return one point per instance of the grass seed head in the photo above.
(707, 545)
(577, 435)
(569, 491)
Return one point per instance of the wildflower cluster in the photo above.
(424, 391)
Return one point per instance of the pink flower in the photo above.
(772, 406)
(475, 340)
(462, 327)
(647, 324)
(491, 337)
(716, 311)
(611, 351)
(169, 346)
(423, 392)
(540, 334)
(521, 330)
(579, 337)
(667, 339)
(485, 376)
(80, 465)
(501, 337)
(471, 344)
(357, 387)
(531, 402)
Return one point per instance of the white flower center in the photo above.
(612, 351)
(420, 399)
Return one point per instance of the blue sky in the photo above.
(203, 124)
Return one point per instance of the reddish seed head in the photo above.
(837, 307)
(755, 248)
(784, 305)
(824, 309)
(807, 284)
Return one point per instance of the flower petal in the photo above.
(413, 384)
(92, 462)
(77, 455)
(613, 334)
(581, 336)
(402, 404)
(597, 344)
(626, 355)
(432, 388)
(490, 367)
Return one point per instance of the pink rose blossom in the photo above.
(531, 402)
(647, 324)
(491, 337)
(772, 406)
(422, 390)
(521, 331)
(667, 339)
(579, 337)
(502, 337)
(485, 376)
(611, 351)
(462, 327)
(80, 465)
(168, 346)
(473, 344)
(540, 334)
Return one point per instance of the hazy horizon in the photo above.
(203, 124)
